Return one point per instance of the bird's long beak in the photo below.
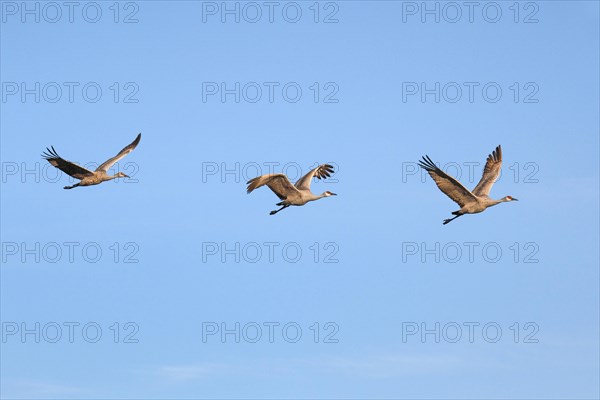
(515, 199)
(333, 194)
(126, 176)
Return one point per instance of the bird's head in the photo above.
(121, 175)
(510, 198)
(328, 193)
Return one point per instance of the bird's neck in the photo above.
(313, 197)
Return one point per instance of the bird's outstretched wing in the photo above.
(323, 171)
(491, 172)
(278, 183)
(68, 167)
(105, 166)
(447, 184)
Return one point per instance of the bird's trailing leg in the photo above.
(71, 187)
(451, 219)
(276, 211)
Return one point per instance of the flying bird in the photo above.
(470, 202)
(292, 195)
(87, 177)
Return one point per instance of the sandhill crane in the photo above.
(470, 202)
(292, 195)
(86, 176)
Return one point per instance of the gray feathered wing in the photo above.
(447, 184)
(491, 172)
(323, 171)
(68, 167)
(278, 183)
(105, 166)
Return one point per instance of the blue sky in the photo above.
(154, 257)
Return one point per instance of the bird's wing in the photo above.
(278, 183)
(491, 172)
(322, 171)
(105, 166)
(447, 184)
(68, 167)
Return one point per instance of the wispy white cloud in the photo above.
(30, 389)
(190, 372)
(388, 366)
(370, 366)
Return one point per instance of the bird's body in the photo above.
(470, 202)
(479, 205)
(289, 194)
(87, 177)
(97, 178)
